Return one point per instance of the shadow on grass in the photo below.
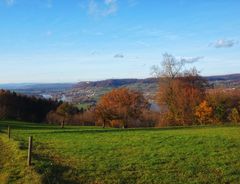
(26, 126)
(52, 171)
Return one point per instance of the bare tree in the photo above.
(170, 67)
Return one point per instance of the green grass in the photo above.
(95, 155)
(83, 105)
(13, 164)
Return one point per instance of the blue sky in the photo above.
(77, 40)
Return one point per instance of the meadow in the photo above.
(75, 154)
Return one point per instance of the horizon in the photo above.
(51, 83)
(90, 40)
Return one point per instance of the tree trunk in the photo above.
(124, 124)
(62, 125)
(104, 124)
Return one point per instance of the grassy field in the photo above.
(95, 155)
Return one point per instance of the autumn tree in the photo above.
(121, 104)
(180, 91)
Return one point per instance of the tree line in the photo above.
(15, 106)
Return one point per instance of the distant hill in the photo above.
(38, 90)
(25, 86)
(114, 83)
(231, 77)
(89, 92)
(225, 81)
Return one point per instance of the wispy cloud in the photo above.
(119, 56)
(49, 3)
(132, 3)
(104, 8)
(9, 2)
(191, 59)
(93, 53)
(92, 7)
(223, 43)
(111, 7)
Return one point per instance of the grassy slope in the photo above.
(94, 155)
(13, 164)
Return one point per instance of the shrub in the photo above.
(234, 116)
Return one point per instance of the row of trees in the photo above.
(20, 107)
(67, 113)
(119, 108)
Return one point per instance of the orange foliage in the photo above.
(121, 104)
(203, 113)
(180, 96)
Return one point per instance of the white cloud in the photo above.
(191, 59)
(104, 8)
(9, 2)
(223, 43)
(119, 56)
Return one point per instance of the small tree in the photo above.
(234, 116)
(203, 112)
(66, 110)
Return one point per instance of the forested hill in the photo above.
(114, 83)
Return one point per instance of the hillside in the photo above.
(115, 83)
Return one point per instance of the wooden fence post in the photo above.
(29, 160)
(62, 124)
(9, 132)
